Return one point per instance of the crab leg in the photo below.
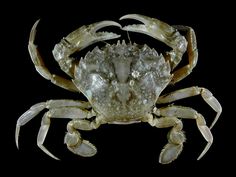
(41, 68)
(188, 113)
(57, 109)
(176, 137)
(192, 51)
(171, 37)
(193, 91)
(78, 40)
(74, 141)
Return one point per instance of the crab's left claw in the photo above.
(156, 29)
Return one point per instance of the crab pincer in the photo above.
(87, 35)
(154, 28)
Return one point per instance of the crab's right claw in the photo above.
(154, 28)
(87, 35)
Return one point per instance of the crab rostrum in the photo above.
(123, 84)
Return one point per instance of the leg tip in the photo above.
(85, 149)
(170, 153)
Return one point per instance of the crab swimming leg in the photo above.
(171, 37)
(188, 113)
(56, 109)
(176, 136)
(75, 143)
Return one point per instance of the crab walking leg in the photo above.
(192, 55)
(43, 133)
(78, 40)
(189, 113)
(58, 108)
(193, 91)
(74, 141)
(64, 112)
(26, 117)
(175, 138)
(41, 68)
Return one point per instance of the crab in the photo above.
(123, 84)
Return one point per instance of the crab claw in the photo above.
(87, 35)
(154, 28)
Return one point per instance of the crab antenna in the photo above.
(129, 37)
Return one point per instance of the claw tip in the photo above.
(36, 23)
(56, 158)
(200, 156)
(128, 16)
(17, 136)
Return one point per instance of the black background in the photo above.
(120, 148)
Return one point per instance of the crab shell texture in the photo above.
(123, 81)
